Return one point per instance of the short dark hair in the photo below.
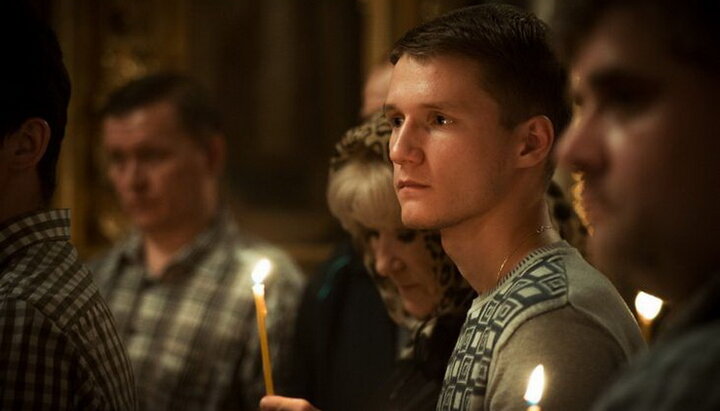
(513, 50)
(690, 28)
(197, 115)
(35, 83)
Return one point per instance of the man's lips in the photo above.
(138, 205)
(403, 184)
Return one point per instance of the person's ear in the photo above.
(216, 151)
(26, 145)
(536, 141)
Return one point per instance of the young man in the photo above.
(180, 286)
(645, 78)
(58, 346)
(476, 100)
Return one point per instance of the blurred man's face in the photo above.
(644, 136)
(163, 178)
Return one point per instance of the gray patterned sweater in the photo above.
(552, 309)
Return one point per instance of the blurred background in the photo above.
(287, 75)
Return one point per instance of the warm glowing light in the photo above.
(535, 387)
(261, 270)
(648, 306)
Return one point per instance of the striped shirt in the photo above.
(191, 332)
(58, 345)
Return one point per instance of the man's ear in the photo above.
(26, 145)
(536, 141)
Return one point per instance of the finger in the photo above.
(278, 403)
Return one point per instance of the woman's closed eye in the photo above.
(369, 234)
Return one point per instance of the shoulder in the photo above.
(50, 278)
(27, 321)
(563, 278)
(110, 257)
(560, 293)
(563, 331)
(681, 373)
(592, 295)
(57, 292)
(76, 357)
(108, 265)
(540, 286)
(579, 357)
(104, 260)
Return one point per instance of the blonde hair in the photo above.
(361, 194)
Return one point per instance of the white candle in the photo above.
(535, 387)
(261, 270)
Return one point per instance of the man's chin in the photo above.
(612, 255)
(146, 222)
(600, 248)
(416, 222)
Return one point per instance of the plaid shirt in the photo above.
(191, 332)
(58, 344)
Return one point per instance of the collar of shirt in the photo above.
(132, 253)
(31, 228)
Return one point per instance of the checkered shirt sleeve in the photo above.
(58, 345)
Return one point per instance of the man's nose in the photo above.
(134, 176)
(581, 148)
(404, 144)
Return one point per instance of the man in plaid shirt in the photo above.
(59, 348)
(180, 286)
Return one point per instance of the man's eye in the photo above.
(622, 99)
(116, 160)
(442, 120)
(628, 100)
(150, 156)
(396, 121)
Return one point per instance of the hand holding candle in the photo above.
(261, 270)
(535, 387)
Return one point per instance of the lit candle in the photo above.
(261, 270)
(648, 307)
(535, 387)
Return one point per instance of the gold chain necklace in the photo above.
(537, 231)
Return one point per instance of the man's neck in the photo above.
(481, 246)
(20, 197)
(161, 245)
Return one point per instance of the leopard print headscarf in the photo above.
(369, 142)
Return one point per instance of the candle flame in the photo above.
(535, 387)
(261, 270)
(648, 306)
